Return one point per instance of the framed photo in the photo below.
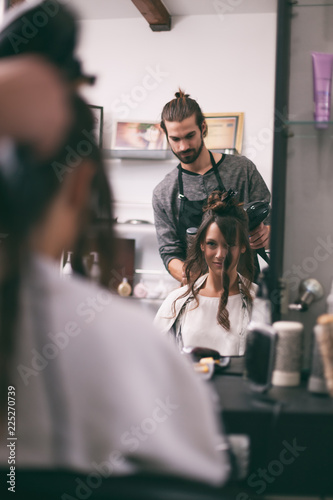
(225, 131)
(97, 112)
(138, 136)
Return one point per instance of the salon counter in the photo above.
(291, 435)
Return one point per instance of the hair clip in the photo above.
(230, 194)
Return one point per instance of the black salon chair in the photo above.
(65, 485)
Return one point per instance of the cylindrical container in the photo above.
(190, 234)
(317, 382)
(288, 354)
(322, 65)
(324, 336)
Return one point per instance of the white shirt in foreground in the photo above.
(97, 389)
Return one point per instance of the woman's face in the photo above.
(215, 249)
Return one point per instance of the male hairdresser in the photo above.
(179, 198)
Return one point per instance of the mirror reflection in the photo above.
(213, 309)
(85, 380)
(219, 73)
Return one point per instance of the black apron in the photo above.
(190, 212)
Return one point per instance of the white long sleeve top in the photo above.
(97, 387)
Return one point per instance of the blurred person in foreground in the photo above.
(95, 387)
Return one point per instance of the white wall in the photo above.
(226, 64)
(2, 9)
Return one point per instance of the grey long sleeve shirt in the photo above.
(237, 173)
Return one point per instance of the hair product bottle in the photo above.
(95, 271)
(140, 290)
(322, 81)
(288, 353)
(324, 336)
(124, 289)
(67, 270)
(317, 382)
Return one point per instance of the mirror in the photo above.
(229, 66)
(224, 57)
(221, 53)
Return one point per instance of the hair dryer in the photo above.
(257, 211)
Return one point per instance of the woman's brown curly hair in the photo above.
(232, 220)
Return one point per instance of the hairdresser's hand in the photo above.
(176, 269)
(259, 237)
(184, 279)
(34, 103)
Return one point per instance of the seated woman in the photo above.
(214, 308)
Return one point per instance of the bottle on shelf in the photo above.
(140, 290)
(67, 270)
(95, 271)
(124, 288)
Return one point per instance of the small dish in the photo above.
(137, 221)
(205, 370)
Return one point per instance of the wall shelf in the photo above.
(308, 122)
(311, 3)
(145, 154)
(138, 154)
(307, 129)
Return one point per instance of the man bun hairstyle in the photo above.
(180, 108)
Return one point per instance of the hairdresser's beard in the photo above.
(191, 155)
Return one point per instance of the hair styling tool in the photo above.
(257, 211)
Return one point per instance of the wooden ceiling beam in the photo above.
(155, 14)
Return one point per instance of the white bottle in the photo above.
(261, 308)
(67, 270)
(124, 289)
(140, 290)
(95, 271)
(329, 301)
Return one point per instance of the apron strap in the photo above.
(216, 172)
(180, 182)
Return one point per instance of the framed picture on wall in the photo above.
(97, 112)
(146, 135)
(225, 131)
